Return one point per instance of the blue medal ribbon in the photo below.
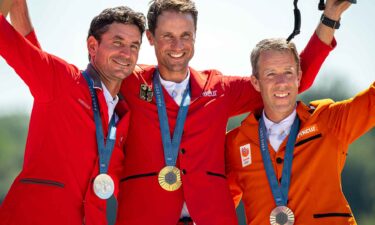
(104, 149)
(280, 193)
(170, 146)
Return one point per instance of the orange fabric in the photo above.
(315, 193)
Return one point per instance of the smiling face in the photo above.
(116, 54)
(277, 81)
(173, 41)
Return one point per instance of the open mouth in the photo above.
(176, 55)
(281, 95)
(121, 63)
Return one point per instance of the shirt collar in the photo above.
(94, 75)
(108, 97)
(285, 124)
(170, 85)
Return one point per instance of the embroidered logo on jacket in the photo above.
(308, 131)
(245, 152)
(209, 93)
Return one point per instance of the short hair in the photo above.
(157, 7)
(121, 14)
(272, 44)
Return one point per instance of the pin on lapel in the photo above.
(145, 93)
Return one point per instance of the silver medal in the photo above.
(282, 215)
(104, 186)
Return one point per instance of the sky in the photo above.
(227, 32)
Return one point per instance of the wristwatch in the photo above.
(329, 22)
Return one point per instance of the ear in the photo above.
(299, 77)
(255, 82)
(150, 37)
(92, 46)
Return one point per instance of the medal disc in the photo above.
(103, 186)
(170, 178)
(282, 215)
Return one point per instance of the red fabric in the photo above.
(61, 160)
(215, 98)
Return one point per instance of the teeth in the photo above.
(281, 95)
(176, 55)
(121, 63)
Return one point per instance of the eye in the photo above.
(134, 47)
(289, 73)
(167, 36)
(186, 37)
(117, 43)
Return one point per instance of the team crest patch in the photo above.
(245, 152)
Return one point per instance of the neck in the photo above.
(176, 77)
(112, 87)
(277, 117)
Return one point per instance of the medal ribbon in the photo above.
(170, 146)
(280, 194)
(104, 149)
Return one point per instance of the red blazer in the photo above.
(61, 160)
(215, 98)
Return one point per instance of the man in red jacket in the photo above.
(174, 164)
(65, 176)
(151, 192)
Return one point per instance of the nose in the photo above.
(177, 44)
(125, 51)
(281, 79)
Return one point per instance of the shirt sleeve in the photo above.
(43, 73)
(244, 98)
(312, 58)
(31, 37)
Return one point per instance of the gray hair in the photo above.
(273, 44)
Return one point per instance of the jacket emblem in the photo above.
(209, 93)
(308, 131)
(245, 152)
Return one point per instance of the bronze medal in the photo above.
(170, 178)
(282, 215)
(145, 93)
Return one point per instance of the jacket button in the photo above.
(183, 171)
(279, 160)
(183, 151)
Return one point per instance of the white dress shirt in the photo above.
(176, 90)
(277, 132)
(111, 103)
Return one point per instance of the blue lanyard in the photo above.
(104, 149)
(280, 194)
(170, 146)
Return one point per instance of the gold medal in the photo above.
(170, 178)
(145, 93)
(282, 215)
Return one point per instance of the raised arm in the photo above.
(20, 20)
(313, 56)
(42, 72)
